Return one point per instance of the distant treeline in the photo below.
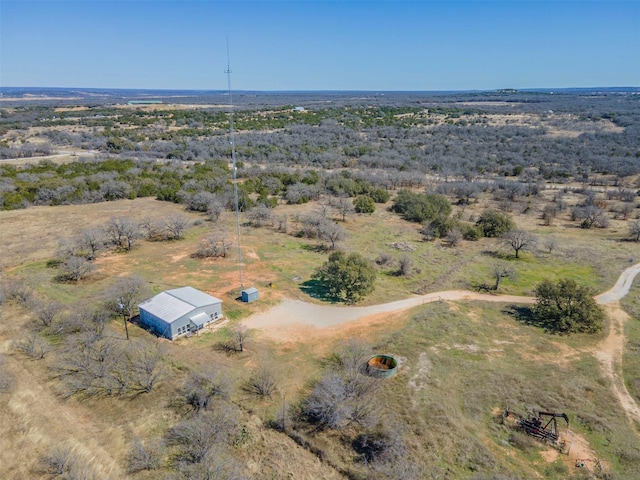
(388, 141)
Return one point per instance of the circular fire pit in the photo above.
(382, 366)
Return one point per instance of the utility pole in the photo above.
(235, 168)
(124, 316)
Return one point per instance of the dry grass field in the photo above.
(460, 362)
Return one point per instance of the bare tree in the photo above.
(91, 241)
(331, 232)
(45, 311)
(519, 240)
(144, 456)
(75, 268)
(337, 401)
(384, 259)
(502, 270)
(259, 215)
(76, 320)
(68, 247)
(283, 223)
(145, 366)
(124, 296)
(344, 396)
(85, 365)
(454, 237)
(176, 226)
(549, 213)
(122, 232)
(344, 207)
(60, 461)
(217, 464)
(626, 210)
(550, 244)
(353, 356)
(634, 230)
(16, 289)
(428, 232)
(559, 200)
(263, 381)
(215, 207)
(405, 266)
(154, 229)
(213, 245)
(198, 201)
(91, 364)
(322, 209)
(33, 345)
(590, 216)
(311, 225)
(197, 436)
(240, 334)
(202, 387)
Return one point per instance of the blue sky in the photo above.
(320, 45)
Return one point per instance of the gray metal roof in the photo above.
(167, 307)
(173, 304)
(193, 297)
(200, 319)
(250, 290)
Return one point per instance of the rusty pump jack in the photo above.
(549, 431)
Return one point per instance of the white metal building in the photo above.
(177, 312)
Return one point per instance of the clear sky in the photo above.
(320, 45)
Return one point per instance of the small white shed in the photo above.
(250, 294)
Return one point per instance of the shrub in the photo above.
(346, 277)
(364, 204)
(566, 307)
(420, 207)
(494, 224)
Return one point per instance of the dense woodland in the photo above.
(296, 154)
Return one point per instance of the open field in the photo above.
(474, 352)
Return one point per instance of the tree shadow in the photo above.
(482, 287)
(524, 315)
(317, 289)
(316, 248)
(497, 254)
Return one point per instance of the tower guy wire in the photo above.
(235, 168)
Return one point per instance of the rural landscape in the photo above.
(482, 247)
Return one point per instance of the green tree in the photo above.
(420, 207)
(566, 307)
(494, 224)
(346, 277)
(379, 195)
(364, 204)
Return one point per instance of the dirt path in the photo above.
(609, 353)
(295, 320)
(622, 286)
(610, 350)
(296, 312)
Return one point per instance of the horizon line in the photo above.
(223, 91)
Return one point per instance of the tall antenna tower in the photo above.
(235, 169)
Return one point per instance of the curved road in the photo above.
(609, 352)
